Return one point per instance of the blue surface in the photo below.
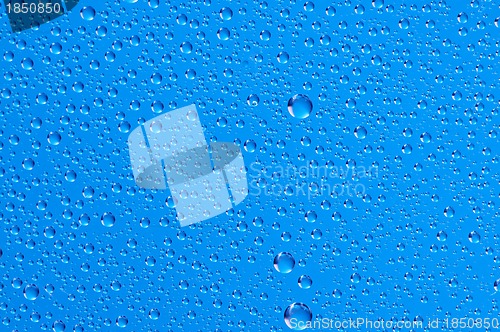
(386, 196)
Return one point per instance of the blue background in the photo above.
(398, 69)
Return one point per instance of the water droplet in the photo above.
(58, 326)
(115, 285)
(54, 138)
(297, 315)
(265, 35)
(330, 11)
(155, 126)
(190, 74)
(284, 262)
(351, 103)
(183, 284)
(150, 261)
(474, 237)
(360, 132)
(27, 63)
(157, 106)
(300, 106)
(55, 48)
(226, 13)
(425, 137)
(407, 149)
(28, 164)
(154, 314)
(49, 232)
(121, 321)
(186, 47)
(253, 100)
(36, 123)
(87, 13)
(283, 57)
(31, 292)
(156, 78)
(404, 23)
(192, 115)
(101, 31)
(442, 236)
(462, 17)
(250, 145)
(124, 127)
(311, 216)
(108, 219)
(449, 212)
(355, 278)
(223, 34)
(70, 176)
(316, 234)
(305, 281)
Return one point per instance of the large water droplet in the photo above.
(297, 315)
(58, 326)
(284, 262)
(226, 13)
(87, 13)
(300, 106)
(108, 219)
(154, 314)
(305, 281)
(31, 292)
(223, 34)
(474, 237)
(360, 132)
(442, 236)
(407, 149)
(426, 137)
(155, 127)
(122, 321)
(253, 100)
(378, 3)
(449, 212)
(54, 138)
